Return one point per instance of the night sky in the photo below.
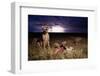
(69, 24)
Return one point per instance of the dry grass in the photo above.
(78, 50)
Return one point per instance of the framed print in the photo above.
(51, 38)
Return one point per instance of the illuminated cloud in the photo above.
(56, 29)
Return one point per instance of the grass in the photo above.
(79, 51)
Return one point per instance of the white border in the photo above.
(19, 37)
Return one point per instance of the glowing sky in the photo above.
(66, 24)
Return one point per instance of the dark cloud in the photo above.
(70, 24)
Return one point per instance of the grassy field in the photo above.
(76, 47)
